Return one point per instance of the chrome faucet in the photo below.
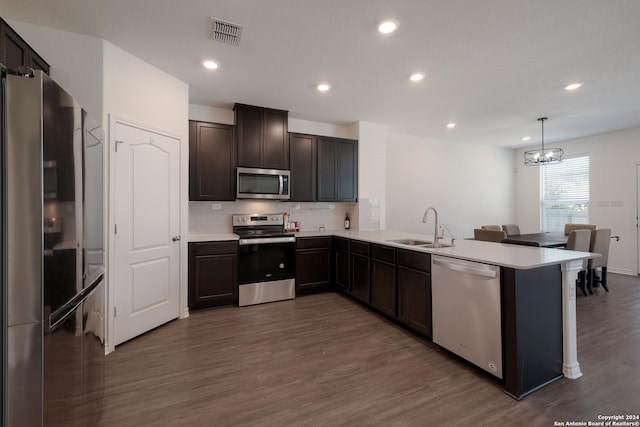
(435, 232)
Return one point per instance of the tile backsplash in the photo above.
(215, 217)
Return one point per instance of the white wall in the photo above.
(468, 184)
(136, 90)
(205, 113)
(372, 176)
(325, 129)
(613, 160)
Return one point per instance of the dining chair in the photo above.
(489, 235)
(580, 240)
(511, 229)
(568, 228)
(491, 227)
(600, 239)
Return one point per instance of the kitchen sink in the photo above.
(438, 245)
(420, 243)
(411, 242)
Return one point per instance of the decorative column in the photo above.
(570, 365)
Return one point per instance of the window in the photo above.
(564, 191)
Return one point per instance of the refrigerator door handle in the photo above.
(60, 315)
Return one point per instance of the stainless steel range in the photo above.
(266, 260)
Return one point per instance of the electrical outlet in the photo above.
(216, 206)
(332, 206)
(296, 207)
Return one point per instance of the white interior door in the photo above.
(147, 223)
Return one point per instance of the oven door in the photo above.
(265, 260)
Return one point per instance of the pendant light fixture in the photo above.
(543, 156)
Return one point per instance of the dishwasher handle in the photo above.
(466, 269)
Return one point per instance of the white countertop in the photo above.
(501, 254)
(220, 237)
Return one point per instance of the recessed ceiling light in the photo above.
(209, 64)
(323, 87)
(573, 86)
(526, 138)
(387, 26)
(416, 77)
(451, 125)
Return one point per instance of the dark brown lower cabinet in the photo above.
(313, 264)
(342, 264)
(414, 291)
(360, 271)
(532, 334)
(383, 279)
(213, 274)
(397, 283)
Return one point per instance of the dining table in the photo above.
(542, 240)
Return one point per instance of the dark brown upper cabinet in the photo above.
(262, 134)
(212, 161)
(303, 163)
(14, 51)
(337, 169)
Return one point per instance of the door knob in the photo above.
(175, 238)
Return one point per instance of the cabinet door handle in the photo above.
(175, 238)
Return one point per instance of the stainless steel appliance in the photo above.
(255, 183)
(266, 259)
(467, 311)
(53, 296)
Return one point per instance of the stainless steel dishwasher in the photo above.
(466, 311)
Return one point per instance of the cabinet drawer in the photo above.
(314, 243)
(384, 253)
(341, 243)
(358, 247)
(214, 248)
(415, 260)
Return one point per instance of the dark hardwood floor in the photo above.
(324, 360)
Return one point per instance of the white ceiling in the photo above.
(492, 66)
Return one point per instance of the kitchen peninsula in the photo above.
(537, 294)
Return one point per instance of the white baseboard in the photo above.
(621, 271)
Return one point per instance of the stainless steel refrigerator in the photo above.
(53, 292)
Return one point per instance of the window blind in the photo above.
(564, 193)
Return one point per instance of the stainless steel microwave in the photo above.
(254, 183)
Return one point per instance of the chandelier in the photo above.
(542, 156)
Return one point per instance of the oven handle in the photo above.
(267, 240)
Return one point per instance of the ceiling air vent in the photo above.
(225, 32)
